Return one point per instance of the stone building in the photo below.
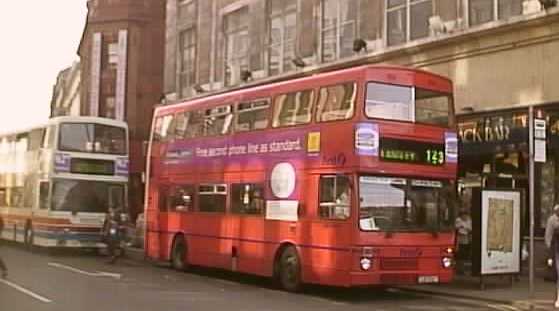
(66, 92)
(501, 54)
(121, 53)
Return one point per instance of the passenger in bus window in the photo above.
(182, 201)
(342, 201)
(257, 202)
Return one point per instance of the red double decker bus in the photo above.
(342, 178)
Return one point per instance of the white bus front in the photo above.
(87, 174)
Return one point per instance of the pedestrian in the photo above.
(463, 226)
(112, 233)
(3, 269)
(552, 243)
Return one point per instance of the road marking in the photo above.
(109, 274)
(76, 270)
(503, 307)
(25, 291)
(93, 274)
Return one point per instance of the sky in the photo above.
(39, 39)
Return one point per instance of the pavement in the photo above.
(59, 281)
(496, 290)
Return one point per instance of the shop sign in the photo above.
(492, 128)
(485, 132)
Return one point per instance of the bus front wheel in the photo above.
(178, 255)
(290, 270)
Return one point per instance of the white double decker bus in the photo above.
(57, 181)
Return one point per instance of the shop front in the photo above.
(494, 155)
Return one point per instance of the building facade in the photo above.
(501, 55)
(121, 52)
(66, 92)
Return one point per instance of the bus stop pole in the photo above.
(531, 195)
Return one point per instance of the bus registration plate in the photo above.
(427, 279)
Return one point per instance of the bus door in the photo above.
(247, 226)
(332, 227)
(157, 205)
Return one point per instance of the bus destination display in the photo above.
(91, 166)
(397, 150)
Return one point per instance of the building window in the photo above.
(113, 54)
(407, 20)
(187, 10)
(235, 28)
(339, 27)
(110, 107)
(187, 63)
(282, 19)
(483, 11)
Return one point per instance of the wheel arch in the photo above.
(277, 255)
(176, 236)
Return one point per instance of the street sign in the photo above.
(539, 128)
(539, 140)
(539, 150)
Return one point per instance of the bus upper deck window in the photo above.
(432, 107)
(293, 108)
(336, 102)
(92, 138)
(195, 126)
(252, 116)
(181, 122)
(217, 121)
(393, 102)
(158, 128)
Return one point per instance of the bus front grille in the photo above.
(393, 264)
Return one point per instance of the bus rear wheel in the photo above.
(179, 255)
(290, 270)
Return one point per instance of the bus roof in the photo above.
(304, 78)
(87, 119)
(58, 120)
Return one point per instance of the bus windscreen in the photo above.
(399, 204)
(86, 196)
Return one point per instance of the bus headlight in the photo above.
(365, 263)
(447, 262)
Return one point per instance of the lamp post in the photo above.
(531, 194)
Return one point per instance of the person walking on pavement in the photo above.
(112, 233)
(552, 243)
(463, 226)
(3, 269)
